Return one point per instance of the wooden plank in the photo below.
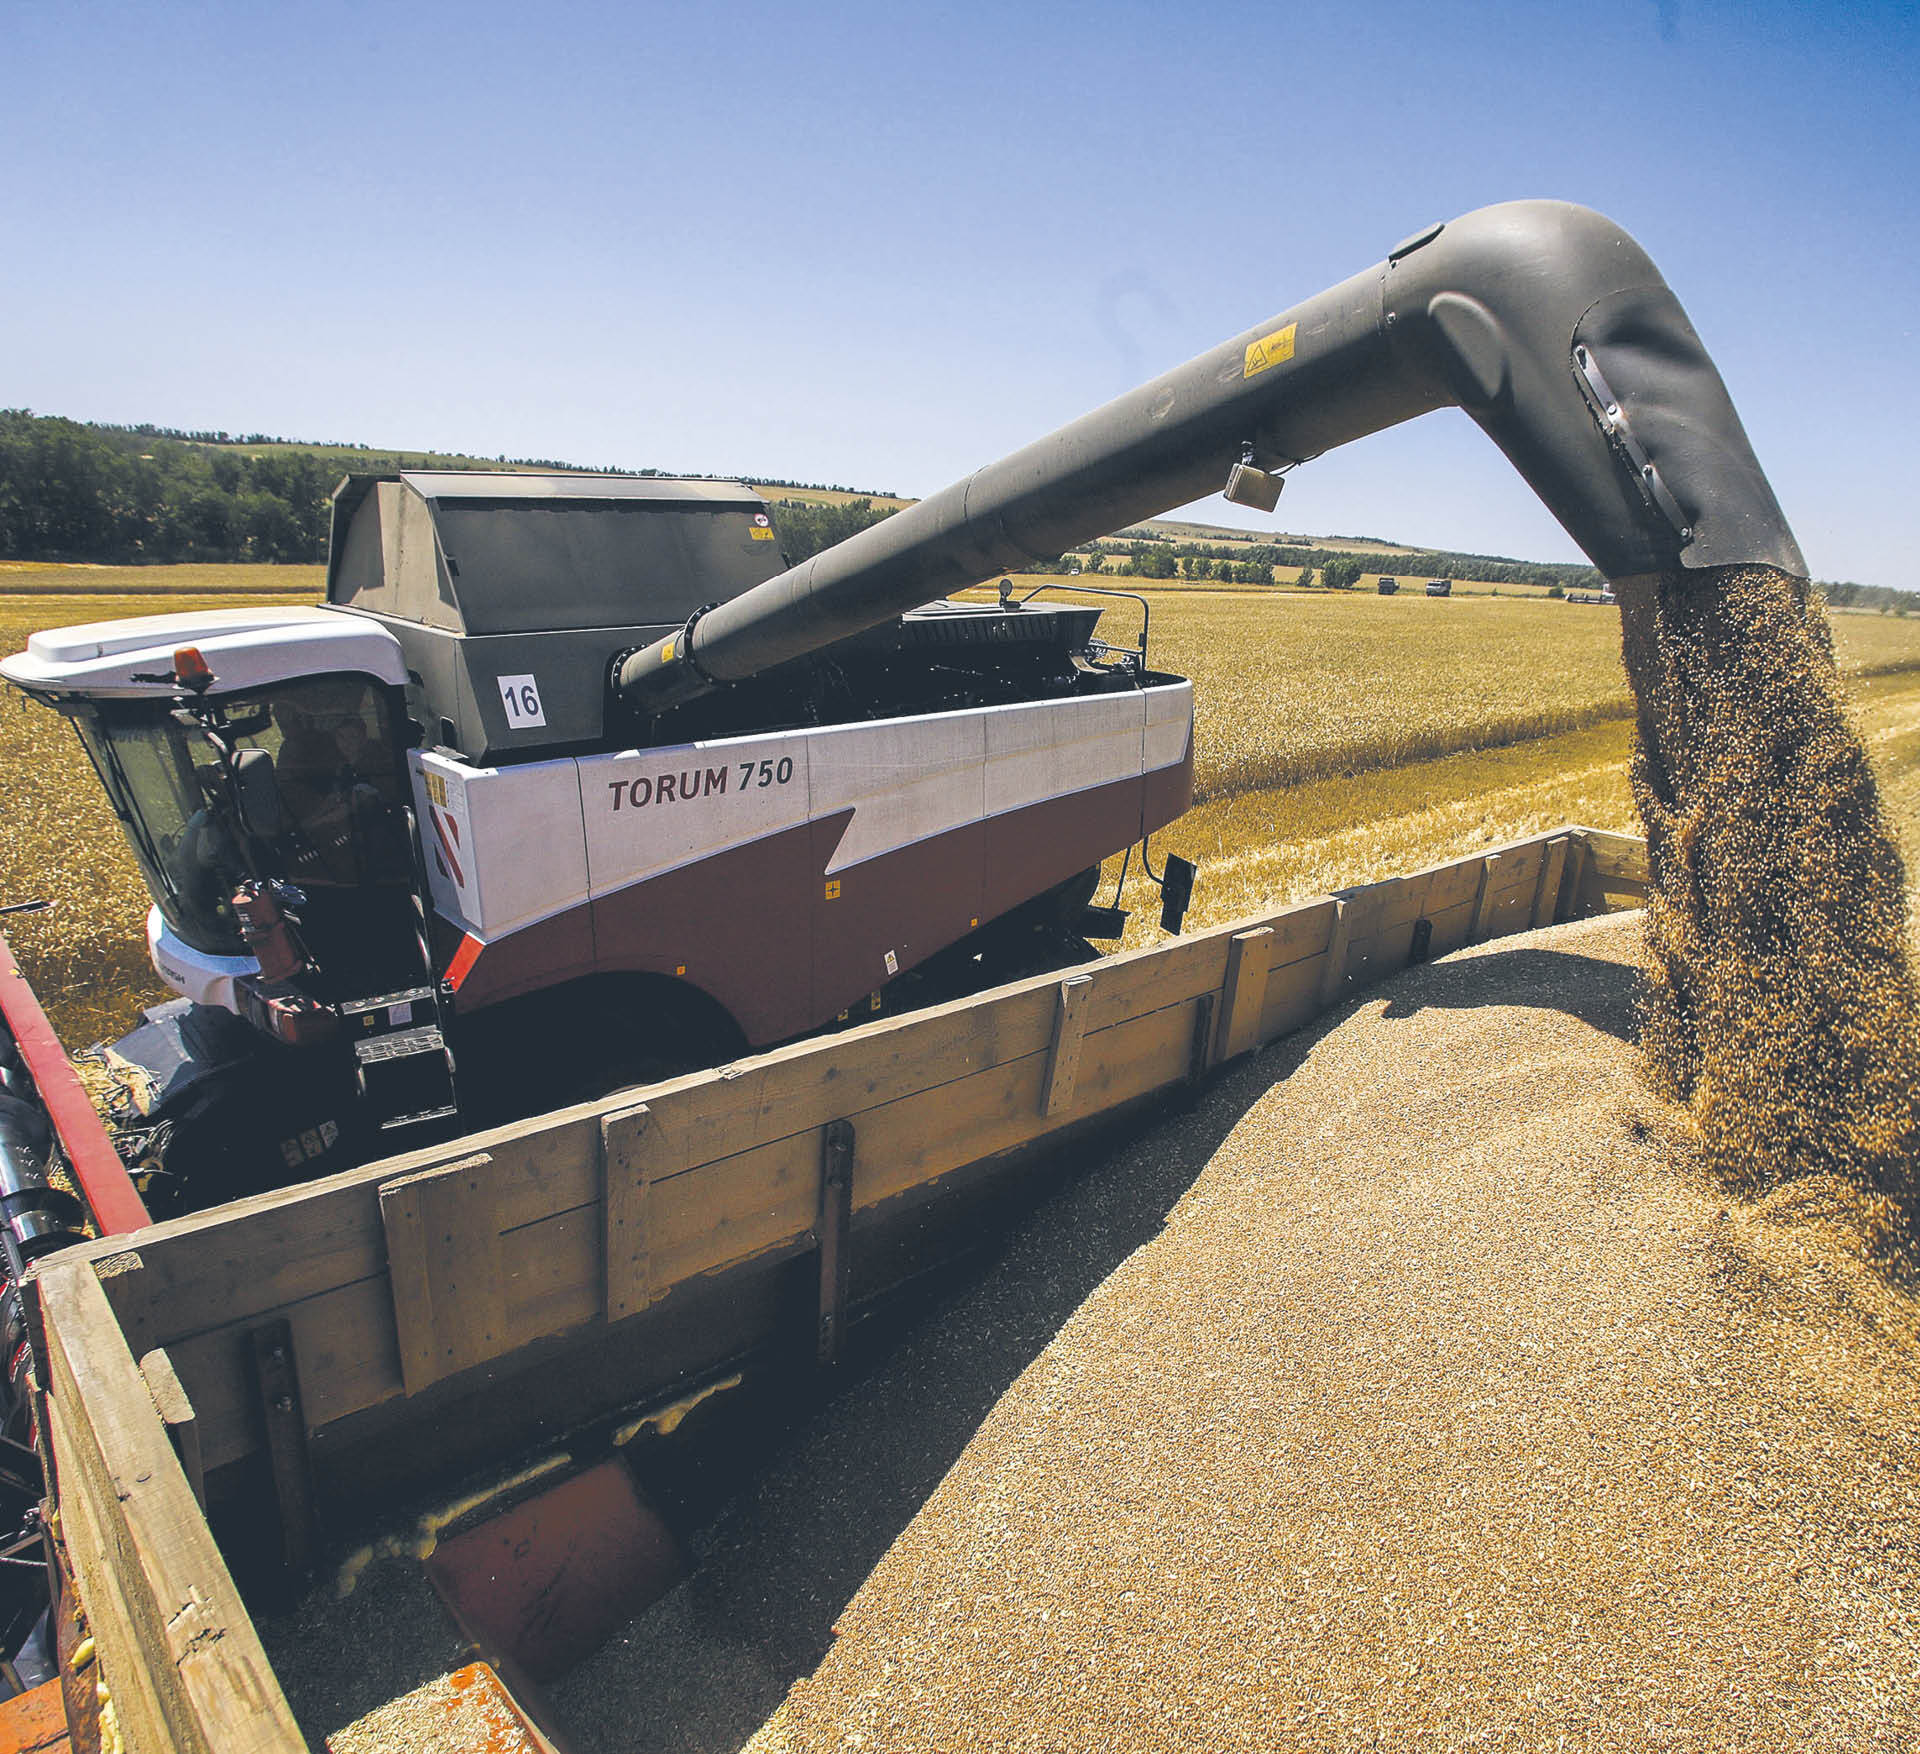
(920, 1138)
(1333, 975)
(1618, 855)
(176, 1648)
(1244, 994)
(1063, 1052)
(1546, 895)
(727, 1212)
(443, 1263)
(92, 1542)
(175, 1407)
(1489, 871)
(636, 1151)
(1367, 910)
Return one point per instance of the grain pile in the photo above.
(1783, 1006)
(1453, 1407)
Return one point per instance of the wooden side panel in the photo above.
(443, 1254)
(1333, 972)
(179, 1654)
(1613, 873)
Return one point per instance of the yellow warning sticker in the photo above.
(761, 535)
(833, 890)
(1274, 349)
(666, 653)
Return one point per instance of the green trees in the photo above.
(70, 491)
(806, 528)
(1341, 572)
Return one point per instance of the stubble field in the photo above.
(1339, 738)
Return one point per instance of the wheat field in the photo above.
(1338, 738)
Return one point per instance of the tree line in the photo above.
(1332, 569)
(74, 490)
(83, 491)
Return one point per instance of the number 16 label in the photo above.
(521, 697)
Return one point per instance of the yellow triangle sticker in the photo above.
(1269, 350)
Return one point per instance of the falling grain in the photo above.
(1783, 1007)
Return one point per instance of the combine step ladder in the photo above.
(401, 1061)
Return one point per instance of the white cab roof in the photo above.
(245, 648)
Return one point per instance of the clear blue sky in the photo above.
(881, 245)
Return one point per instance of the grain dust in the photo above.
(1783, 1007)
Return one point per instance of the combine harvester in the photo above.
(570, 781)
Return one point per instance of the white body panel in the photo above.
(198, 975)
(1035, 753)
(508, 846)
(635, 833)
(504, 846)
(904, 780)
(1169, 725)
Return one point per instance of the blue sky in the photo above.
(883, 244)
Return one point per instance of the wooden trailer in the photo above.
(348, 1342)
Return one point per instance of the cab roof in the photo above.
(245, 648)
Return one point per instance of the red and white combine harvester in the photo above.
(416, 863)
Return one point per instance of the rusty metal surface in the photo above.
(545, 1583)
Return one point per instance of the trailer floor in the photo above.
(1450, 1407)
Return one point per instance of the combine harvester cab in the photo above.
(416, 865)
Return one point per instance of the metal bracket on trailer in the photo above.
(836, 1220)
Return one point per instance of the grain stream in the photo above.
(1783, 1008)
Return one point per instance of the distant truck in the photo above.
(1439, 587)
(1388, 586)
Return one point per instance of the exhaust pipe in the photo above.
(1546, 322)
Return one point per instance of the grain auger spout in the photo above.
(1544, 321)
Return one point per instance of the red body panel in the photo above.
(104, 1183)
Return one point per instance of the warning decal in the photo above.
(1274, 349)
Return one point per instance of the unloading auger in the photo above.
(1545, 321)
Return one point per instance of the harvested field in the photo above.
(1262, 849)
(1292, 688)
(1455, 1405)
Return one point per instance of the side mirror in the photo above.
(262, 814)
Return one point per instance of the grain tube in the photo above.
(1543, 320)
